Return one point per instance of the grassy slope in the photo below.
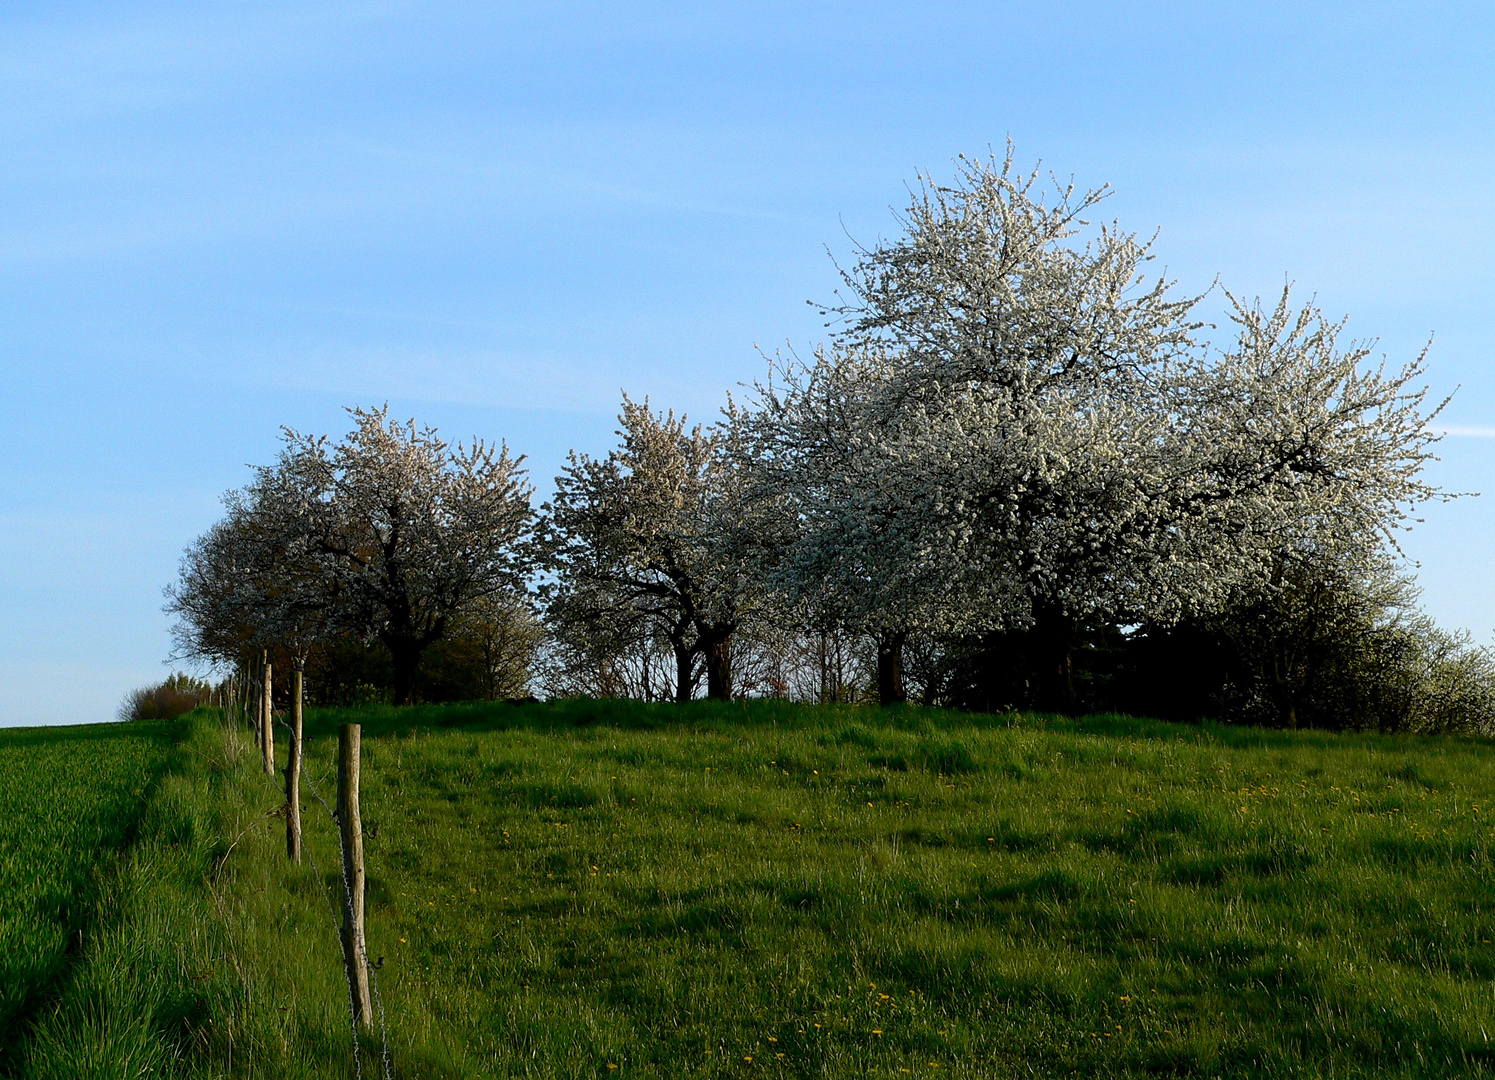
(606, 889)
(70, 800)
(675, 892)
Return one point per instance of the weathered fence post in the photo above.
(293, 769)
(267, 721)
(349, 738)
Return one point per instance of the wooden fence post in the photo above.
(267, 721)
(293, 770)
(349, 740)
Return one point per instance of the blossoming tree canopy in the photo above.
(1014, 429)
(641, 542)
(388, 535)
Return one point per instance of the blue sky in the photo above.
(219, 218)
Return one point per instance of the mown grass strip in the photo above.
(776, 890)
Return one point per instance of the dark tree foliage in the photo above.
(1333, 647)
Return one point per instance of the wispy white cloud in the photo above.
(1470, 432)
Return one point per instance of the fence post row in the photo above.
(350, 824)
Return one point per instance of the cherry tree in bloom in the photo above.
(390, 535)
(1307, 466)
(640, 544)
(255, 582)
(1015, 429)
(986, 398)
(853, 534)
(412, 531)
(1304, 449)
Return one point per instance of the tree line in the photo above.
(1018, 473)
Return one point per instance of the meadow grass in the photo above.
(70, 799)
(613, 889)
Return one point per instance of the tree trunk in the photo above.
(1053, 637)
(1064, 680)
(405, 657)
(293, 768)
(1287, 700)
(267, 721)
(685, 672)
(823, 655)
(719, 667)
(890, 667)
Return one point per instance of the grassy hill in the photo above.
(612, 889)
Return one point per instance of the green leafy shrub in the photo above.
(177, 695)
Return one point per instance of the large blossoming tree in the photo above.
(1016, 430)
(391, 535)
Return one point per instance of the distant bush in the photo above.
(179, 694)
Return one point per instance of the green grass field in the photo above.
(610, 889)
(70, 799)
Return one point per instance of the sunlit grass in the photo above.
(69, 801)
(841, 893)
(608, 889)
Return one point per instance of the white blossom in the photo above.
(640, 546)
(1013, 428)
